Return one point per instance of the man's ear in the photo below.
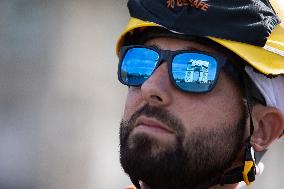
(268, 126)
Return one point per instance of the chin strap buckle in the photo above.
(247, 168)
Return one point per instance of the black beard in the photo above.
(190, 163)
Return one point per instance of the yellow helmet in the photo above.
(268, 59)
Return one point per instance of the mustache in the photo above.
(161, 114)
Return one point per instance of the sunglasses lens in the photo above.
(137, 65)
(194, 72)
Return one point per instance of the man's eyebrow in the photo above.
(186, 48)
(209, 51)
(192, 48)
(155, 46)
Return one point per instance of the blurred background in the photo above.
(60, 102)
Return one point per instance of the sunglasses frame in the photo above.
(168, 56)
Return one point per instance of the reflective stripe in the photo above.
(247, 168)
(274, 50)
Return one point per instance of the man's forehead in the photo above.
(171, 43)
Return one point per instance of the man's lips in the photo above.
(152, 124)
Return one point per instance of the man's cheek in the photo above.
(132, 104)
(129, 109)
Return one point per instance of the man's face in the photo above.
(173, 139)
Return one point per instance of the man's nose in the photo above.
(157, 90)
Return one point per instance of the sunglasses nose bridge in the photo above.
(164, 57)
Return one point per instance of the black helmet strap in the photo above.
(246, 172)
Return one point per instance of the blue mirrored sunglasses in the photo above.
(190, 71)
